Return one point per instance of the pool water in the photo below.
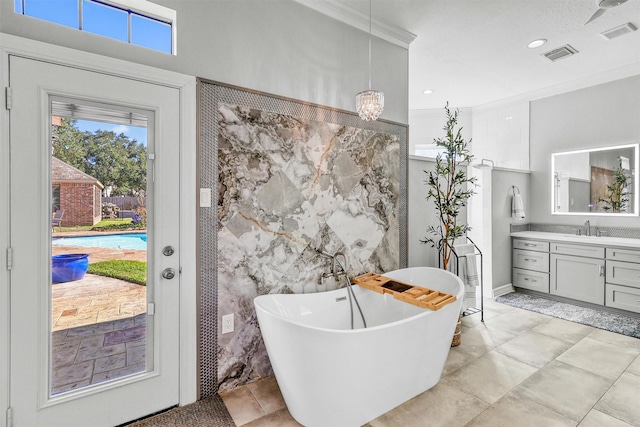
(116, 241)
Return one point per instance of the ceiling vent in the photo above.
(619, 31)
(560, 53)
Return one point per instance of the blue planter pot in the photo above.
(68, 267)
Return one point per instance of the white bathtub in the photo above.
(331, 375)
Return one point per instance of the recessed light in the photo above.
(427, 91)
(536, 43)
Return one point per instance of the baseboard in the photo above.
(502, 290)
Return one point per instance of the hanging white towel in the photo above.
(517, 207)
(624, 163)
(468, 272)
(471, 271)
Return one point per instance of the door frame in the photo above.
(13, 45)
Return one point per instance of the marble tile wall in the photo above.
(286, 187)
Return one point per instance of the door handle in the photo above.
(168, 273)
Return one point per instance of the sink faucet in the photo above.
(588, 224)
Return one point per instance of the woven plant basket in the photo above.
(457, 334)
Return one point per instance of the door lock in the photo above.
(168, 273)
(168, 251)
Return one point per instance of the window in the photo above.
(428, 150)
(55, 197)
(138, 22)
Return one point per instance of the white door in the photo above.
(34, 84)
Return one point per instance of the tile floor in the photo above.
(518, 368)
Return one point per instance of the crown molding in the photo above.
(340, 11)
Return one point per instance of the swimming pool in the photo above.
(116, 241)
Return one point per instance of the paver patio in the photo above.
(98, 324)
(96, 353)
(95, 299)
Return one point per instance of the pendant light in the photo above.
(369, 103)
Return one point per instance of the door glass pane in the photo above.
(105, 20)
(99, 250)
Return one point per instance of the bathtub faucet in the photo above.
(343, 265)
(338, 268)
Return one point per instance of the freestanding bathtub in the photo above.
(331, 375)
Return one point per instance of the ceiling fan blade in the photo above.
(596, 15)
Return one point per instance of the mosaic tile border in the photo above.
(210, 95)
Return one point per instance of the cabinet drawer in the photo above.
(532, 280)
(578, 250)
(623, 273)
(529, 260)
(626, 255)
(623, 297)
(531, 245)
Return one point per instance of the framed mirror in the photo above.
(596, 181)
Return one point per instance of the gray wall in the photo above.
(421, 214)
(501, 195)
(597, 116)
(276, 46)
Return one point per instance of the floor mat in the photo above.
(209, 412)
(618, 323)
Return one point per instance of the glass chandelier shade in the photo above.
(369, 104)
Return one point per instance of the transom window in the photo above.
(428, 150)
(138, 22)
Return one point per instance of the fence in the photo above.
(125, 206)
(126, 202)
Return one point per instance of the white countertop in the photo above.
(619, 242)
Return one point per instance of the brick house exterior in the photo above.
(78, 194)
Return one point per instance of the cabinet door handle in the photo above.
(529, 244)
(531, 260)
(530, 280)
(601, 270)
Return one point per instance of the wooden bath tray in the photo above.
(416, 295)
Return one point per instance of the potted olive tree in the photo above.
(449, 187)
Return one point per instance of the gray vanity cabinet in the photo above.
(599, 271)
(531, 265)
(577, 272)
(623, 279)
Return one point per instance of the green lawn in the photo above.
(130, 271)
(105, 224)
